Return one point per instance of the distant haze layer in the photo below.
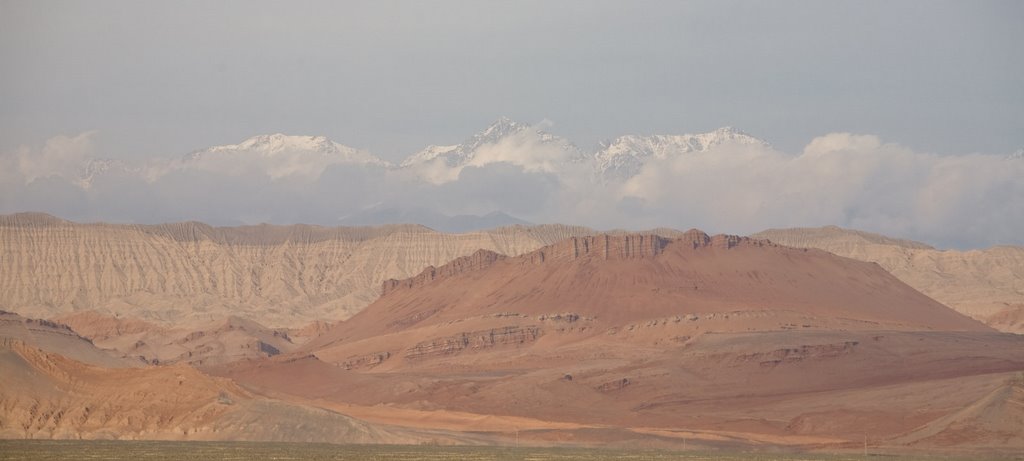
(510, 172)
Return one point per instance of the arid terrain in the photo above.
(522, 231)
(190, 273)
(987, 284)
(547, 335)
(716, 340)
(57, 385)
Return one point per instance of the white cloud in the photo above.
(436, 171)
(526, 149)
(530, 149)
(61, 156)
(840, 178)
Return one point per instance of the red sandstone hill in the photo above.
(611, 281)
(640, 339)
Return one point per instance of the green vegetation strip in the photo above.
(45, 450)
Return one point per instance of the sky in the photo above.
(152, 80)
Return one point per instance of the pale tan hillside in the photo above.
(46, 395)
(280, 276)
(987, 285)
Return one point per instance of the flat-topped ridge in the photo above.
(604, 246)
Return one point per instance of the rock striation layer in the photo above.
(281, 276)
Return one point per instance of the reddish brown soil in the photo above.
(712, 338)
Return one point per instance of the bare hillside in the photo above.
(987, 285)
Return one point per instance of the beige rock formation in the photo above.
(280, 276)
(987, 285)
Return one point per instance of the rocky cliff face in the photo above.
(474, 340)
(603, 247)
(616, 246)
(476, 261)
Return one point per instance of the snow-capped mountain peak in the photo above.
(278, 144)
(624, 156)
(429, 153)
(280, 155)
(502, 127)
(461, 154)
(504, 141)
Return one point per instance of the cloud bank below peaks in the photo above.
(722, 181)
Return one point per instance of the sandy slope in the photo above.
(46, 395)
(987, 285)
(994, 420)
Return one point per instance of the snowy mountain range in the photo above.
(465, 153)
(522, 144)
(623, 157)
(511, 171)
(619, 158)
(274, 145)
(280, 155)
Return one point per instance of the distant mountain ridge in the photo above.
(437, 221)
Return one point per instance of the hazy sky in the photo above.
(896, 117)
(165, 78)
